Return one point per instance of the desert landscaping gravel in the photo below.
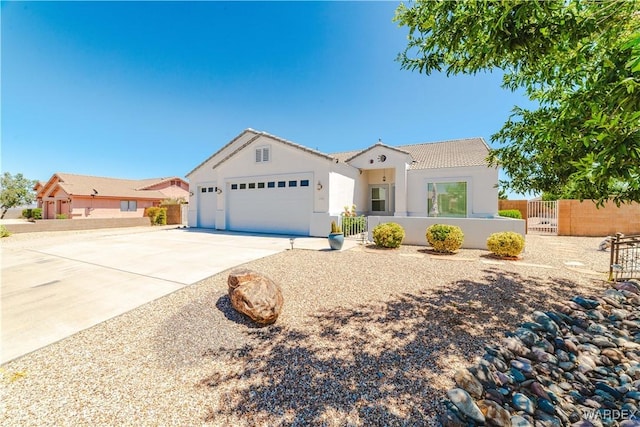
(366, 337)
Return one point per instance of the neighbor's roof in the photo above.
(443, 154)
(84, 185)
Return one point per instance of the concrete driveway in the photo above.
(55, 286)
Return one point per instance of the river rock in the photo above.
(523, 403)
(494, 413)
(468, 382)
(579, 359)
(463, 401)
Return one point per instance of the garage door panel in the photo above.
(284, 210)
(207, 206)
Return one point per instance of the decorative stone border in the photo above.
(578, 364)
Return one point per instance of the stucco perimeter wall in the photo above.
(578, 218)
(476, 230)
(78, 224)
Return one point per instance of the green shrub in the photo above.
(4, 232)
(162, 217)
(62, 216)
(445, 238)
(157, 215)
(388, 235)
(32, 213)
(510, 213)
(506, 243)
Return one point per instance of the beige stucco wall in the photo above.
(284, 160)
(482, 191)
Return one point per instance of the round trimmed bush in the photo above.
(506, 243)
(388, 235)
(445, 238)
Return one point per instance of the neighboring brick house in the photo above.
(83, 196)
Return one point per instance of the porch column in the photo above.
(401, 191)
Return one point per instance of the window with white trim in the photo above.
(378, 198)
(263, 154)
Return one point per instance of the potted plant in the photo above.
(336, 237)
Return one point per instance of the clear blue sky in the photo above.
(150, 89)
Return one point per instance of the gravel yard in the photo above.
(366, 337)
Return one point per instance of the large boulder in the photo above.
(255, 295)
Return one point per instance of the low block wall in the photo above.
(476, 230)
(519, 205)
(578, 218)
(174, 214)
(76, 224)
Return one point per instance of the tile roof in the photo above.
(82, 185)
(443, 154)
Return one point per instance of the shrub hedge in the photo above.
(510, 213)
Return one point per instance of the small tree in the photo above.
(15, 190)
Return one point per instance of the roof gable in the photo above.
(379, 144)
(430, 155)
(245, 133)
(253, 135)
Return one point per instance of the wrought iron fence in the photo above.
(354, 225)
(625, 257)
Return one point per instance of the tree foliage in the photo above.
(15, 190)
(578, 61)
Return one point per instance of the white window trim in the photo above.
(260, 154)
(448, 180)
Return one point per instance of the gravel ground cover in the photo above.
(366, 337)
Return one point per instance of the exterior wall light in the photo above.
(218, 190)
(319, 186)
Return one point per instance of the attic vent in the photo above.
(262, 154)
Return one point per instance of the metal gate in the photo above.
(542, 217)
(625, 257)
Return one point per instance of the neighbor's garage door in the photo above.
(280, 205)
(207, 207)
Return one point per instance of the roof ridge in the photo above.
(444, 141)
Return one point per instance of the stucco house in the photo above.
(84, 196)
(263, 183)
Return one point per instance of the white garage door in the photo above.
(207, 206)
(281, 205)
